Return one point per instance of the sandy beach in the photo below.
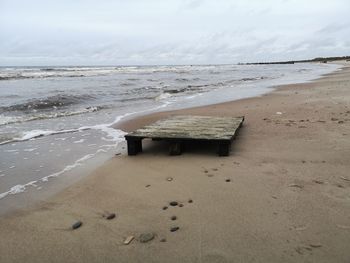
(283, 194)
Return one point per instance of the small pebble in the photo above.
(169, 179)
(181, 205)
(175, 228)
(173, 218)
(163, 240)
(146, 237)
(148, 185)
(128, 240)
(228, 180)
(77, 224)
(110, 216)
(173, 203)
(190, 201)
(165, 207)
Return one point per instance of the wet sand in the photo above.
(283, 195)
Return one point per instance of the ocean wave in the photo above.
(51, 102)
(5, 120)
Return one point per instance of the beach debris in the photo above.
(296, 185)
(279, 113)
(274, 197)
(174, 228)
(301, 228)
(344, 178)
(173, 218)
(315, 245)
(318, 181)
(301, 249)
(77, 224)
(181, 205)
(206, 171)
(110, 216)
(146, 237)
(173, 203)
(148, 185)
(163, 240)
(343, 227)
(169, 179)
(190, 201)
(165, 207)
(340, 122)
(228, 180)
(128, 240)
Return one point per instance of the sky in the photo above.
(163, 32)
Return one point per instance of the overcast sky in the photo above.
(129, 32)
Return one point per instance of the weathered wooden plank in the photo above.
(180, 128)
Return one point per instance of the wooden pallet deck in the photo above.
(179, 129)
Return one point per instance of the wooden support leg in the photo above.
(176, 148)
(224, 148)
(134, 146)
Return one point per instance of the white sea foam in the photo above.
(79, 141)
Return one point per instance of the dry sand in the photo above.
(288, 199)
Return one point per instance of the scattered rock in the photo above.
(173, 203)
(210, 175)
(190, 201)
(77, 224)
(215, 169)
(148, 185)
(128, 240)
(274, 197)
(344, 178)
(340, 185)
(296, 185)
(181, 205)
(165, 207)
(228, 180)
(303, 161)
(334, 119)
(163, 240)
(318, 181)
(340, 122)
(110, 216)
(174, 228)
(301, 126)
(315, 245)
(146, 237)
(169, 179)
(173, 218)
(206, 171)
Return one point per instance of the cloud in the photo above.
(170, 32)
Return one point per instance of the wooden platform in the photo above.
(179, 129)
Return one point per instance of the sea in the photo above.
(55, 122)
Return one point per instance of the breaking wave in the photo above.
(47, 103)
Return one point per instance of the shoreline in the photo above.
(286, 199)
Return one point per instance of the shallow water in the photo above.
(55, 119)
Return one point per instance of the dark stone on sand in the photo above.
(173, 218)
(228, 180)
(77, 224)
(190, 201)
(146, 237)
(148, 185)
(181, 205)
(174, 228)
(110, 216)
(165, 207)
(173, 203)
(163, 240)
